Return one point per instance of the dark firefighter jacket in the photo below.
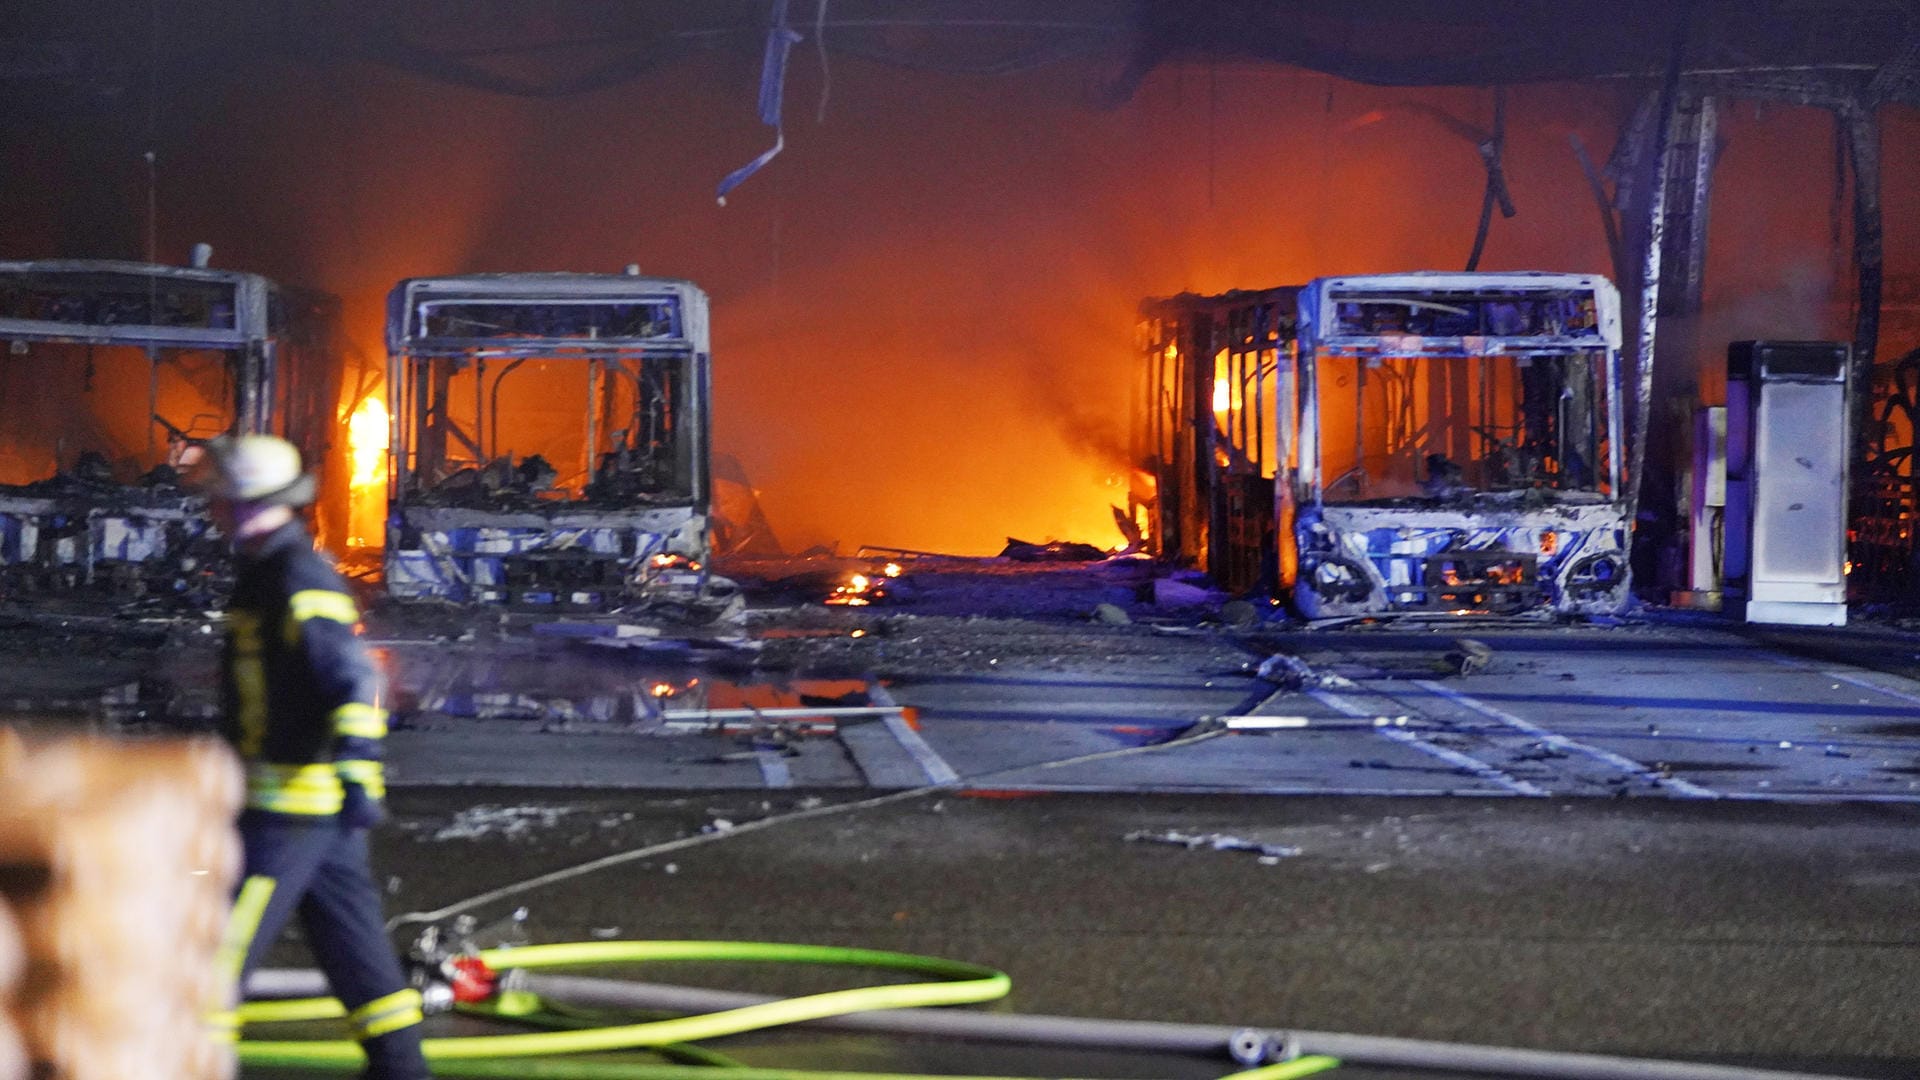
(300, 691)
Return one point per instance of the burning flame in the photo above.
(860, 590)
(367, 448)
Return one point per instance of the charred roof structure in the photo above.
(1673, 69)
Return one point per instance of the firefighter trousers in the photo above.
(320, 871)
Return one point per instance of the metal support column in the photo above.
(1863, 152)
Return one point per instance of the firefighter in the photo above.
(300, 704)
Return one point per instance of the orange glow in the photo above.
(1549, 542)
(892, 569)
(367, 450)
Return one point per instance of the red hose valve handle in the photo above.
(472, 980)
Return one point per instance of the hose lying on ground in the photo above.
(895, 1009)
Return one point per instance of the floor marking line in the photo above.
(1408, 738)
(929, 760)
(1849, 677)
(1867, 684)
(1553, 738)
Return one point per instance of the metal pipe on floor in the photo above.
(1242, 1044)
(1159, 1036)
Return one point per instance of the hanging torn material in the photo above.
(781, 39)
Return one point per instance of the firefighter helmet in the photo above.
(262, 469)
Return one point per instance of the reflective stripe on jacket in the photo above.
(300, 690)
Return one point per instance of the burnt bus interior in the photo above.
(1438, 436)
(112, 374)
(530, 412)
(1205, 438)
(550, 438)
(1452, 426)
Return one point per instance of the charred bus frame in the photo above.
(1432, 442)
(95, 507)
(593, 494)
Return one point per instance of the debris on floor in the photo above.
(1468, 657)
(1052, 551)
(1215, 841)
(1289, 672)
(512, 822)
(1172, 593)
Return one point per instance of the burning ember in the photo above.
(860, 590)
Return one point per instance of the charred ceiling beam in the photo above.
(1479, 43)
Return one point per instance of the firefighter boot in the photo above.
(395, 1056)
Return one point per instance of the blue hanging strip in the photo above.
(781, 39)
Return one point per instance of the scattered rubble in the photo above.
(1468, 657)
(512, 822)
(1173, 593)
(1269, 853)
(1052, 551)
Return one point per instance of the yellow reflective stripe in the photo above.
(294, 789)
(370, 775)
(359, 720)
(322, 604)
(386, 1014)
(318, 604)
(242, 923)
(249, 682)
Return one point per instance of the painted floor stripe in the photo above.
(929, 760)
(1408, 738)
(1868, 684)
(1619, 761)
(1849, 677)
(1308, 790)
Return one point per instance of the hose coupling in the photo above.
(1253, 1047)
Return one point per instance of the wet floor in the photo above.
(1660, 712)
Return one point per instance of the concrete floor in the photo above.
(1677, 841)
(1770, 933)
(1673, 838)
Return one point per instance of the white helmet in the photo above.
(255, 469)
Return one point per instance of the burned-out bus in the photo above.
(1391, 443)
(549, 442)
(110, 374)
